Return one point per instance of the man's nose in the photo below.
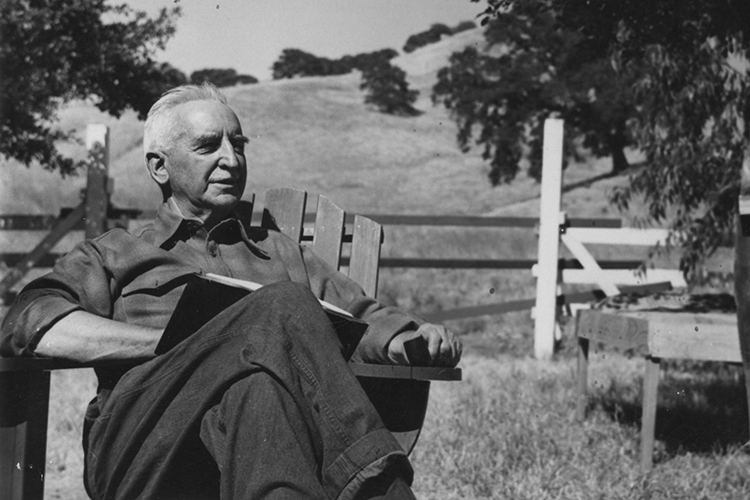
(227, 155)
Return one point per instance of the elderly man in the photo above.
(258, 402)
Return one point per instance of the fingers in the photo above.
(445, 349)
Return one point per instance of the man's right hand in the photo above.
(443, 347)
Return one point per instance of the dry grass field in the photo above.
(507, 430)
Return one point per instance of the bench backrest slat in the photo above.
(329, 232)
(363, 265)
(285, 210)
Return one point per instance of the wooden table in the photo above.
(656, 335)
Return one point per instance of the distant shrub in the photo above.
(221, 77)
(432, 35)
(463, 26)
(295, 63)
(367, 60)
(386, 85)
(388, 90)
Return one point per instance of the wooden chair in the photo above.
(399, 393)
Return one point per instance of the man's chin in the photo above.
(225, 202)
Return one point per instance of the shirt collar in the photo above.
(170, 221)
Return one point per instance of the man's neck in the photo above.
(208, 218)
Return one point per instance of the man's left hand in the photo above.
(443, 346)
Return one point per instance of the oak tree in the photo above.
(54, 51)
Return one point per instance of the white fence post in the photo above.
(549, 240)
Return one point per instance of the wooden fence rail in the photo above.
(123, 217)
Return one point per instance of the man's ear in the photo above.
(156, 164)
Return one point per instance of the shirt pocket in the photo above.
(150, 299)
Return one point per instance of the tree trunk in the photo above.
(617, 145)
(742, 270)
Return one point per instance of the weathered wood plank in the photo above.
(648, 415)
(15, 274)
(582, 379)
(284, 210)
(707, 337)
(476, 221)
(363, 265)
(624, 276)
(589, 263)
(405, 372)
(23, 434)
(549, 240)
(617, 330)
(520, 305)
(621, 236)
(742, 266)
(329, 232)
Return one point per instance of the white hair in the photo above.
(160, 129)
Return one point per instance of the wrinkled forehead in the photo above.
(200, 118)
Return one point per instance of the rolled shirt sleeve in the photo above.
(78, 282)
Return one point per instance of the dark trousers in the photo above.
(258, 403)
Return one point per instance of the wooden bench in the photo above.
(399, 393)
(656, 336)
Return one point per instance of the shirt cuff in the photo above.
(24, 327)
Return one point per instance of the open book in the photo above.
(207, 295)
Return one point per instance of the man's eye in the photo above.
(239, 144)
(208, 147)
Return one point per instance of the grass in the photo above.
(507, 431)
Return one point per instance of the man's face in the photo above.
(206, 164)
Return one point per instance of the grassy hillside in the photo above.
(315, 134)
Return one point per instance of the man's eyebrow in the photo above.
(203, 138)
(240, 138)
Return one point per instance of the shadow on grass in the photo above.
(702, 408)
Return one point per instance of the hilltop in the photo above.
(317, 134)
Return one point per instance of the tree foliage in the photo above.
(294, 63)
(684, 64)
(388, 90)
(53, 51)
(366, 60)
(435, 34)
(386, 85)
(533, 67)
(432, 35)
(221, 77)
(463, 26)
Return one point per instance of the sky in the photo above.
(249, 35)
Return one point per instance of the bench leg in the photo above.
(583, 379)
(648, 419)
(24, 403)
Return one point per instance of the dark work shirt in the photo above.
(138, 278)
